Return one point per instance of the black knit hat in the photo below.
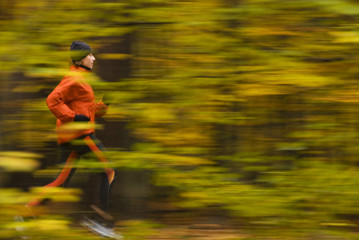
(79, 50)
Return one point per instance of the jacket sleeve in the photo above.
(57, 100)
(100, 109)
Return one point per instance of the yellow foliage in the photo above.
(159, 159)
(269, 30)
(12, 196)
(42, 225)
(57, 194)
(175, 137)
(113, 56)
(346, 37)
(18, 161)
(263, 92)
(257, 90)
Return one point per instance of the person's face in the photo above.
(88, 60)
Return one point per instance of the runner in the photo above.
(73, 102)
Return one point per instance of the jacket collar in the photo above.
(80, 68)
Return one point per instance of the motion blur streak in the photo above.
(229, 119)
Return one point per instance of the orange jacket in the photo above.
(72, 96)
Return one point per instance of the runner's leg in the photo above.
(68, 157)
(104, 180)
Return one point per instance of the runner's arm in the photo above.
(56, 102)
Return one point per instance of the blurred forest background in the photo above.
(231, 119)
